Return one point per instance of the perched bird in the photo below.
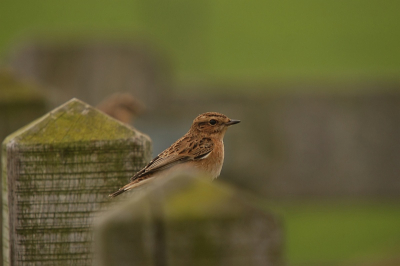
(201, 148)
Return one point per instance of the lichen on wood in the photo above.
(57, 174)
(188, 220)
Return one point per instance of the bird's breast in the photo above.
(212, 164)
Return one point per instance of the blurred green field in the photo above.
(232, 40)
(339, 232)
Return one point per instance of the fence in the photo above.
(188, 220)
(57, 173)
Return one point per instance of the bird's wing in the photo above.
(185, 149)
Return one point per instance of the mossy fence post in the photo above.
(185, 220)
(57, 174)
(20, 103)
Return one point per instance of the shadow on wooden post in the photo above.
(58, 172)
(193, 222)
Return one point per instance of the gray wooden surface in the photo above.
(57, 172)
(20, 103)
(185, 220)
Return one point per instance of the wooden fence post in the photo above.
(20, 103)
(185, 220)
(57, 174)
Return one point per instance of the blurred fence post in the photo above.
(135, 67)
(20, 103)
(57, 173)
(184, 220)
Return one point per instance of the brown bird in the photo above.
(201, 148)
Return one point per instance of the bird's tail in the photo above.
(131, 185)
(116, 193)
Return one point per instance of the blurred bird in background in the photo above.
(122, 106)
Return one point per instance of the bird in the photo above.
(122, 106)
(201, 148)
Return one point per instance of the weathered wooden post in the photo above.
(20, 103)
(57, 174)
(185, 220)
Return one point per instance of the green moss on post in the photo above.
(20, 103)
(185, 220)
(57, 174)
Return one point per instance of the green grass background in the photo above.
(232, 40)
(341, 232)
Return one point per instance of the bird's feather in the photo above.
(184, 150)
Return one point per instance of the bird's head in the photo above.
(212, 124)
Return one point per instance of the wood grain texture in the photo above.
(20, 103)
(187, 220)
(57, 173)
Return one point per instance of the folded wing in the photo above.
(184, 150)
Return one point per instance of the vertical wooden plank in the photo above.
(20, 103)
(58, 173)
(203, 223)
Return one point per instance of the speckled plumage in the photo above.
(202, 148)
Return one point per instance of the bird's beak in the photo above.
(232, 122)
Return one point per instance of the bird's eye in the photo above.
(212, 122)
